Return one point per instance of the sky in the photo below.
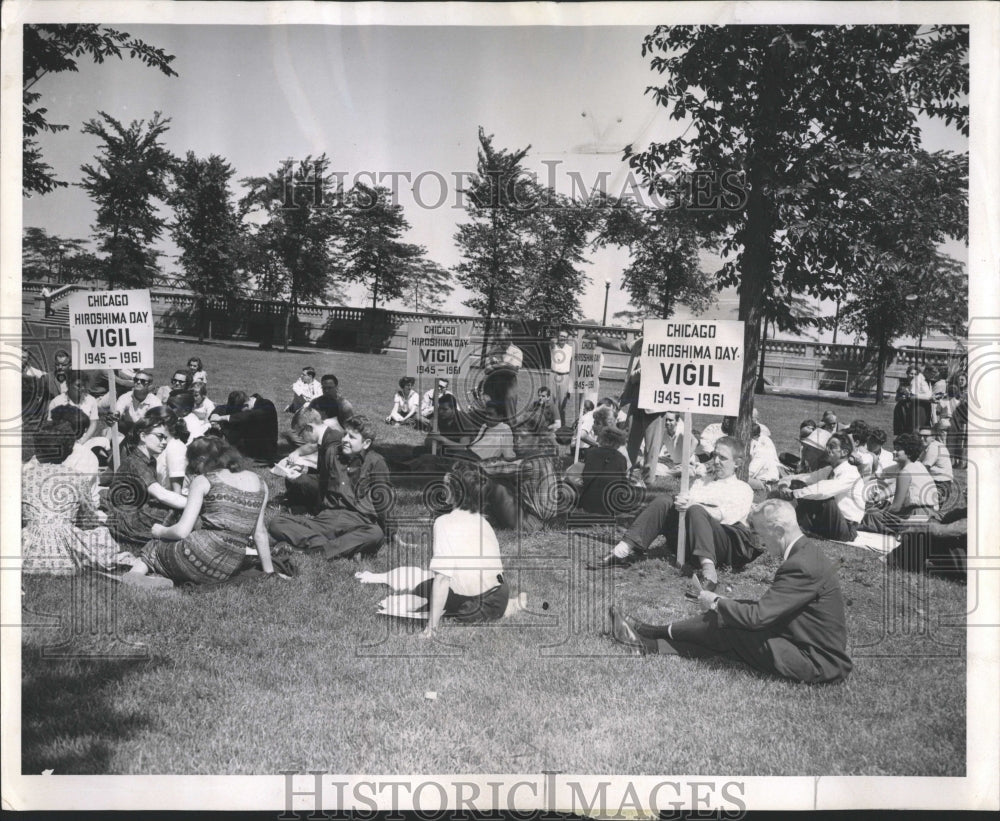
(387, 101)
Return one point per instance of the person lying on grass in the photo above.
(797, 630)
(229, 502)
(465, 580)
(353, 490)
(715, 511)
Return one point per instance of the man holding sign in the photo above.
(715, 512)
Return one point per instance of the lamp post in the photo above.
(607, 289)
(62, 253)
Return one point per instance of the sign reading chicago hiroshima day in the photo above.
(691, 366)
(436, 350)
(111, 329)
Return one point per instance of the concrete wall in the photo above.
(791, 366)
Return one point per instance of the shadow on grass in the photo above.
(70, 722)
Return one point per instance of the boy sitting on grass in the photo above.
(353, 487)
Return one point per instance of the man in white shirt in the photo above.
(77, 396)
(715, 512)
(561, 363)
(427, 400)
(829, 502)
(132, 405)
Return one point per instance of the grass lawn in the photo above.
(304, 675)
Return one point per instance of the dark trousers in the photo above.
(303, 491)
(646, 427)
(731, 545)
(703, 637)
(338, 533)
(823, 518)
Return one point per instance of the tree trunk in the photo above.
(757, 263)
(288, 319)
(371, 324)
(201, 318)
(880, 368)
(759, 389)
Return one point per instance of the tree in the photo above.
(500, 200)
(557, 235)
(780, 106)
(291, 254)
(369, 243)
(664, 267)
(51, 49)
(129, 176)
(426, 285)
(206, 228)
(903, 281)
(45, 257)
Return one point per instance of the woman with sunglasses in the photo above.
(136, 499)
(227, 502)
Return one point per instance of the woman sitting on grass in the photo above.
(52, 498)
(915, 498)
(406, 403)
(137, 499)
(465, 579)
(230, 502)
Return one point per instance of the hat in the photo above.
(925, 431)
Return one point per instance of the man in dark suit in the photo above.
(796, 630)
(353, 490)
(250, 424)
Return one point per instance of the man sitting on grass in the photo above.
(797, 629)
(715, 510)
(352, 479)
(829, 501)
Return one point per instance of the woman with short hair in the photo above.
(137, 499)
(915, 498)
(465, 580)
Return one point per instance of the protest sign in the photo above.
(111, 329)
(691, 366)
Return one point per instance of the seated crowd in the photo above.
(186, 506)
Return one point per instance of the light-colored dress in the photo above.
(216, 551)
(51, 497)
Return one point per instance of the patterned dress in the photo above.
(51, 497)
(216, 551)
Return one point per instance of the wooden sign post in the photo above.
(691, 367)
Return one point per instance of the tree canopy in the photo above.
(787, 108)
(51, 49)
(128, 178)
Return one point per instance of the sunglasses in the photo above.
(178, 381)
(139, 381)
